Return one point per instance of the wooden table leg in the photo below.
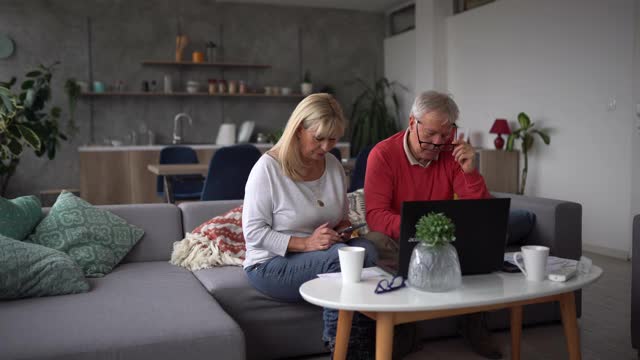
(516, 331)
(345, 319)
(570, 324)
(384, 336)
(168, 189)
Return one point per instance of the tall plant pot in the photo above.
(434, 268)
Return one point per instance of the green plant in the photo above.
(435, 229)
(26, 122)
(372, 119)
(525, 134)
(275, 136)
(307, 77)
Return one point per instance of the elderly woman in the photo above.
(295, 203)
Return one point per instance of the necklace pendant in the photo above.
(320, 203)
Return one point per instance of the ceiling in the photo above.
(361, 5)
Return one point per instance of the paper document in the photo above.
(367, 273)
(553, 263)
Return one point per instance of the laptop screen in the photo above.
(481, 232)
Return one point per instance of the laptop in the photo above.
(481, 232)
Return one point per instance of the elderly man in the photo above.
(427, 161)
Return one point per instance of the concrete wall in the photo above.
(335, 45)
(563, 63)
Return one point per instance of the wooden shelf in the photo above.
(204, 64)
(185, 94)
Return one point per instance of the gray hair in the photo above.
(429, 101)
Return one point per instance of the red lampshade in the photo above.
(500, 126)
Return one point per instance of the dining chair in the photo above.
(185, 187)
(359, 169)
(228, 172)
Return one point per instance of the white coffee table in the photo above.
(478, 293)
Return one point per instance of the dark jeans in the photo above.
(281, 277)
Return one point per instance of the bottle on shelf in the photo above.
(213, 86)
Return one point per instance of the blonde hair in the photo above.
(319, 112)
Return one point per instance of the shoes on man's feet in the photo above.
(474, 329)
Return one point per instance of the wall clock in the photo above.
(6, 46)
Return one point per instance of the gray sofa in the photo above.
(149, 309)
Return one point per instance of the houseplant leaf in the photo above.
(524, 121)
(29, 136)
(544, 136)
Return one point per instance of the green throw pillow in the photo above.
(96, 239)
(19, 216)
(28, 270)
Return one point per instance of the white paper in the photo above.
(553, 263)
(367, 273)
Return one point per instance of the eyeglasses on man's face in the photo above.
(425, 145)
(386, 285)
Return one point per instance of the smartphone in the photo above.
(350, 229)
(510, 268)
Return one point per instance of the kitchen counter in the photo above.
(119, 174)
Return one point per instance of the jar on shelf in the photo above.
(242, 88)
(213, 86)
(233, 86)
(222, 86)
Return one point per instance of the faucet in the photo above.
(177, 130)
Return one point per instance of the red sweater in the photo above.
(391, 179)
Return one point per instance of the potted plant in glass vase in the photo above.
(434, 264)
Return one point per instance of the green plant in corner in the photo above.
(26, 121)
(435, 230)
(525, 134)
(372, 119)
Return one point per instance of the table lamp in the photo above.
(500, 126)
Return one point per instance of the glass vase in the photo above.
(434, 269)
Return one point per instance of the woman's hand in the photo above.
(343, 225)
(322, 238)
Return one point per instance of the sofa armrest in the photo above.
(558, 223)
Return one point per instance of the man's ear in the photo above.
(412, 122)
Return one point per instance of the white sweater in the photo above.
(277, 208)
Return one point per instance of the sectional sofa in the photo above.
(149, 309)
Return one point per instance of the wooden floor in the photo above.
(604, 326)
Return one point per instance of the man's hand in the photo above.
(343, 225)
(464, 154)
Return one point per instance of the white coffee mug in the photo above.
(351, 263)
(535, 262)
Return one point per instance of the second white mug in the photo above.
(535, 262)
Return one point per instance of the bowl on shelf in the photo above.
(192, 87)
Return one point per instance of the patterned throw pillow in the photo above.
(28, 270)
(217, 242)
(357, 212)
(19, 216)
(96, 239)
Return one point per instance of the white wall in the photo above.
(400, 66)
(561, 62)
(431, 44)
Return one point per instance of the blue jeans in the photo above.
(281, 277)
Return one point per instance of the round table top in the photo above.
(476, 290)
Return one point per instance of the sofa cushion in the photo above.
(151, 310)
(96, 239)
(269, 325)
(520, 225)
(19, 216)
(28, 270)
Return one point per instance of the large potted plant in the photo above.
(373, 117)
(434, 264)
(27, 121)
(525, 134)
